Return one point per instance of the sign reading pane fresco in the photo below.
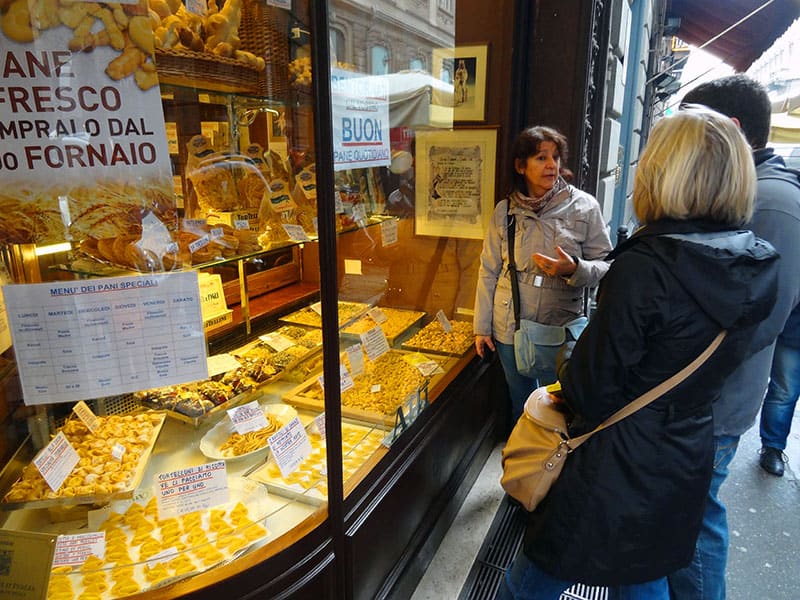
(360, 120)
(83, 149)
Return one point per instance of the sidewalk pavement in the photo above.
(764, 523)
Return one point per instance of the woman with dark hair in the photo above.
(560, 243)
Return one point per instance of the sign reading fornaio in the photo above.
(82, 134)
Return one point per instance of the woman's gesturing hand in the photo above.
(562, 266)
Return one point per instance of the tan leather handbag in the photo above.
(539, 443)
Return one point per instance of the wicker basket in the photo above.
(206, 71)
(264, 31)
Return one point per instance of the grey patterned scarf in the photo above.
(537, 204)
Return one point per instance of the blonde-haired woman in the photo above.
(627, 508)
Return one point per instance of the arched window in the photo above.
(338, 47)
(416, 64)
(380, 60)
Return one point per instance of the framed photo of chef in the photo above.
(455, 182)
(465, 68)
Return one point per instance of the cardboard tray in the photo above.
(359, 443)
(308, 395)
(399, 322)
(97, 499)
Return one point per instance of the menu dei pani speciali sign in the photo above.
(101, 337)
(360, 120)
(83, 146)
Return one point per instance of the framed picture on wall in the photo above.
(455, 182)
(465, 68)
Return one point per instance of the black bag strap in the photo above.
(512, 266)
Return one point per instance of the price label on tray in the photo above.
(445, 323)
(56, 461)
(319, 424)
(296, 232)
(377, 315)
(222, 363)
(356, 359)
(427, 367)
(86, 416)
(388, 232)
(241, 224)
(345, 381)
(277, 342)
(375, 342)
(198, 244)
(317, 308)
(187, 490)
(117, 452)
(248, 417)
(216, 233)
(73, 550)
(290, 446)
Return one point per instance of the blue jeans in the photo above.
(519, 386)
(781, 398)
(525, 581)
(704, 578)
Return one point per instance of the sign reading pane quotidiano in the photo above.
(83, 149)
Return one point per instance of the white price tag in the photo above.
(216, 233)
(117, 452)
(338, 204)
(277, 342)
(356, 359)
(241, 224)
(248, 417)
(427, 368)
(187, 490)
(86, 416)
(296, 232)
(72, 550)
(377, 315)
(199, 244)
(389, 232)
(375, 388)
(319, 424)
(345, 381)
(375, 342)
(317, 308)
(359, 212)
(56, 461)
(290, 446)
(194, 224)
(222, 363)
(445, 323)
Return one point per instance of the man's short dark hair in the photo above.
(737, 96)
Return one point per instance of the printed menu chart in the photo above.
(102, 337)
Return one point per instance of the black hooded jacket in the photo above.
(628, 505)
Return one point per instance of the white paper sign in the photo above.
(319, 424)
(360, 120)
(377, 315)
(56, 461)
(375, 342)
(445, 323)
(73, 550)
(187, 490)
(356, 359)
(375, 388)
(388, 232)
(222, 363)
(296, 232)
(241, 224)
(118, 452)
(427, 368)
(76, 340)
(317, 308)
(248, 417)
(290, 446)
(345, 381)
(277, 342)
(86, 416)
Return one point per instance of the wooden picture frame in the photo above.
(455, 182)
(465, 68)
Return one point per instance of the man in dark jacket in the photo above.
(776, 219)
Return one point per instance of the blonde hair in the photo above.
(697, 165)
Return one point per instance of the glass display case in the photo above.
(210, 216)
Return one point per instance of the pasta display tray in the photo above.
(99, 476)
